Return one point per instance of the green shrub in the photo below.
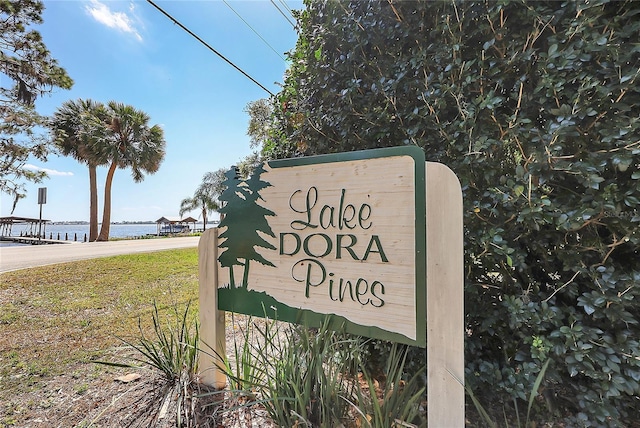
(534, 105)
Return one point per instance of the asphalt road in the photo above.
(28, 256)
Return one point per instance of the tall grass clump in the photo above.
(298, 374)
(308, 377)
(172, 349)
(301, 377)
(393, 401)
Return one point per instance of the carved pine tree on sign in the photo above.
(244, 220)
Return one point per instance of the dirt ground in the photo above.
(98, 395)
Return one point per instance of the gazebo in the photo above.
(170, 225)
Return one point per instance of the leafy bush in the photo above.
(534, 105)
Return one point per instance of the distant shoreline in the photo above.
(75, 223)
(84, 223)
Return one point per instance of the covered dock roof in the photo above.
(174, 220)
(165, 224)
(6, 223)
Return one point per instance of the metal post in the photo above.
(40, 223)
(42, 199)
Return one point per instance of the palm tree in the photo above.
(131, 143)
(76, 128)
(206, 196)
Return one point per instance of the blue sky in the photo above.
(130, 52)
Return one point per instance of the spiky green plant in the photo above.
(172, 349)
(399, 402)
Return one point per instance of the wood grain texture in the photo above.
(445, 298)
(212, 321)
(389, 218)
(343, 203)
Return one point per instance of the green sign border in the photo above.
(313, 319)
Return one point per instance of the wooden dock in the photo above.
(33, 241)
(36, 234)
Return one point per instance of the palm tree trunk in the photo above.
(93, 204)
(204, 219)
(106, 213)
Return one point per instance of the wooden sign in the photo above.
(344, 236)
(340, 235)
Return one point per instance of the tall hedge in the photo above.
(536, 108)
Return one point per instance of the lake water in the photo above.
(80, 230)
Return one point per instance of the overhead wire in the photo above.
(283, 14)
(286, 6)
(192, 34)
(288, 9)
(252, 29)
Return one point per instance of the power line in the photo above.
(252, 29)
(286, 6)
(191, 33)
(283, 14)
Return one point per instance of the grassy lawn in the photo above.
(56, 320)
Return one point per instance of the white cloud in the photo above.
(52, 172)
(120, 21)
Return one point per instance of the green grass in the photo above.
(56, 317)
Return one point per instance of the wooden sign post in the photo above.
(371, 239)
